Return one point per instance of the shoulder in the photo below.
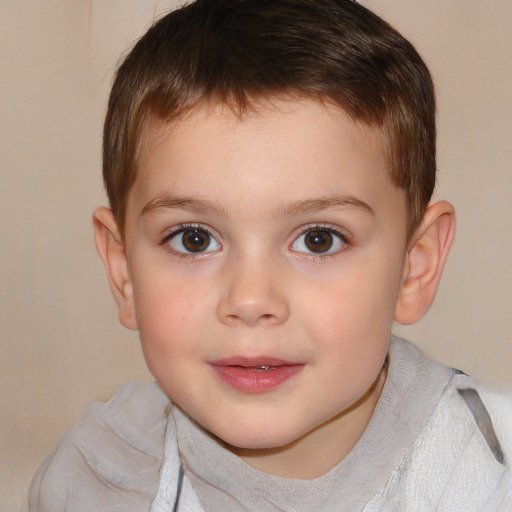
(111, 459)
(486, 412)
(497, 419)
(471, 434)
(461, 459)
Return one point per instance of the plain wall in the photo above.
(61, 345)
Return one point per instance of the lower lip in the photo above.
(251, 381)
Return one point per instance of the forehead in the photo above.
(280, 150)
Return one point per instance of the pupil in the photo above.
(318, 240)
(196, 240)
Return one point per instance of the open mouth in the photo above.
(262, 368)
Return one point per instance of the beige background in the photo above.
(61, 346)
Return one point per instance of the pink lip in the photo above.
(240, 372)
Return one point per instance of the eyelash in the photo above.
(183, 228)
(343, 238)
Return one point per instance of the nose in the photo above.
(253, 295)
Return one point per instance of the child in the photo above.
(269, 167)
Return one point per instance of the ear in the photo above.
(425, 260)
(110, 247)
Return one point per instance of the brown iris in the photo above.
(195, 240)
(318, 240)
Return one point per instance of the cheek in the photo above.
(169, 316)
(351, 315)
(360, 298)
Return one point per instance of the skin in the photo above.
(258, 185)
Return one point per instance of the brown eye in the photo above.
(318, 240)
(196, 240)
(193, 240)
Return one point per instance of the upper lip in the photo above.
(252, 362)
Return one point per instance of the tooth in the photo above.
(263, 368)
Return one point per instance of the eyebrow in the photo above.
(317, 205)
(168, 201)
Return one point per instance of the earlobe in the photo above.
(110, 247)
(425, 261)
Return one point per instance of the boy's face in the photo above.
(266, 257)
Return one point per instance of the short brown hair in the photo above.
(239, 51)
